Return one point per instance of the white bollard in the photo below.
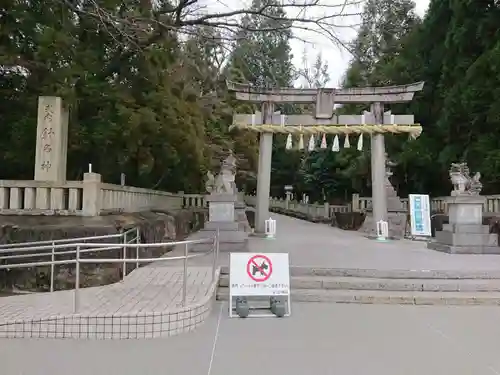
(270, 228)
(382, 230)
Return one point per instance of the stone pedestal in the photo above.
(222, 216)
(396, 216)
(395, 220)
(465, 233)
(241, 215)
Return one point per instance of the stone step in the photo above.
(389, 274)
(410, 285)
(386, 297)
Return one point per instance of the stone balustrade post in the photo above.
(355, 203)
(327, 210)
(91, 205)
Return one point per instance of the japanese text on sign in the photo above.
(420, 215)
(259, 274)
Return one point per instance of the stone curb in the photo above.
(389, 274)
(397, 285)
(378, 297)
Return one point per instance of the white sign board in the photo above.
(420, 215)
(255, 274)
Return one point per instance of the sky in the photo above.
(345, 29)
(337, 57)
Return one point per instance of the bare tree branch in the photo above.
(156, 20)
(318, 16)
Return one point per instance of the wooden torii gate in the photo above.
(375, 123)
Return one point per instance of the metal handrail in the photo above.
(94, 247)
(67, 240)
(54, 245)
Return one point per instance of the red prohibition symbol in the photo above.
(259, 268)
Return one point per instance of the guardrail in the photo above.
(51, 247)
(82, 247)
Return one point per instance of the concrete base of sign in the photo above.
(259, 307)
(465, 234)
(396, 221)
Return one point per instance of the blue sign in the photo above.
(420, 215)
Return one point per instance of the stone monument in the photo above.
(222, 211)
(51, 148)
(52, 140)
(465, 233)
(396, 213)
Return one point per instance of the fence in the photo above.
(359, 204)
(67, 246)
(438, 204)
(325, 210)
(89, 197)
(81, 246)
(193, 200)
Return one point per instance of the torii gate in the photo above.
(323, 121)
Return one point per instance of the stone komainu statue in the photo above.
(463, 184)
(224, 181)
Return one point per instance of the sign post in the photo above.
(259, 275)
(420, 215)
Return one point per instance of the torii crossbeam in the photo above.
(375, 122)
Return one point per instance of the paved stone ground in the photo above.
(320, 245)
(312, 244)
(152, 288)
(317, 339)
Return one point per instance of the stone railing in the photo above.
(193, 200)
(438, 204)
(359, 204)
(90, 197)
(325, 210)
(40, 197)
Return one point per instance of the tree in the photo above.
(146, 120)
(264, 58)
(385, 28)
(316, 75)
(385, 25)
(455, 51)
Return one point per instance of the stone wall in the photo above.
(154, 227)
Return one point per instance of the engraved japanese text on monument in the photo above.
(46, 137)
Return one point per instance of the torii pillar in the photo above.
(264, 170)
(379, 198)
